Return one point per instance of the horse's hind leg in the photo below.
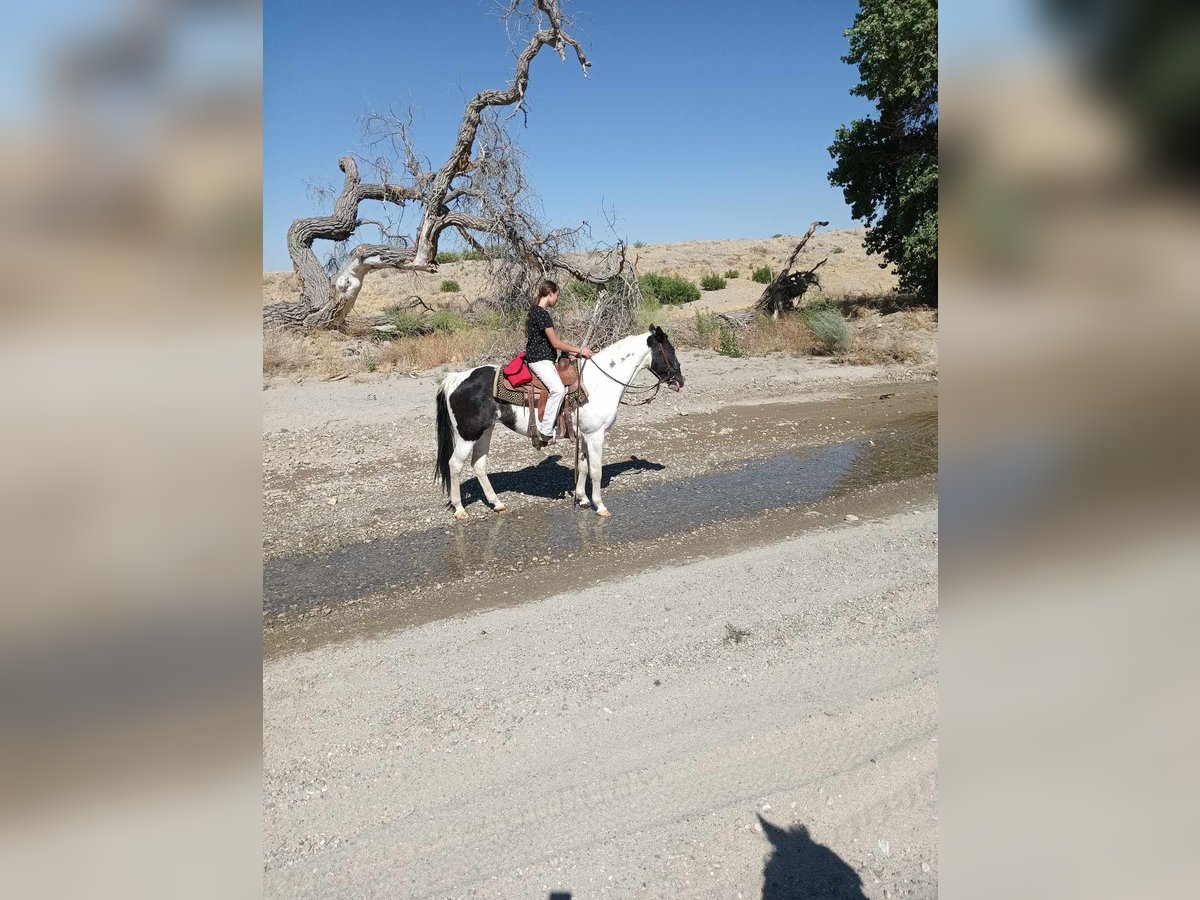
(479, 461)
(458, 462)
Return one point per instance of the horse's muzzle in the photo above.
(675, 386)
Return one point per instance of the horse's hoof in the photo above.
(500, 508)
(603, 512)
(461, 515)
(583, 502)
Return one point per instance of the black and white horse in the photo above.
(467, 413)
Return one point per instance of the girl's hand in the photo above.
(585, 352)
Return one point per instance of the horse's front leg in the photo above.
(595, 458)
(581, 474)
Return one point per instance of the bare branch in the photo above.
(480, 189)
(460, 157)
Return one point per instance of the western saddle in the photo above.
(533, 396)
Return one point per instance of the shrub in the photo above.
(492, 320)
(670, 290)
(777, 234)
(582, 292)
(650, 311)
(828, 328)
(448, 321)
(368, 361)
(639, 244)
(731, 273)
(448, 256)
(406, 321)
(712, 282)
(473, 255)
(449, 286)
(763, 275)
(729, 344)
(707, 325)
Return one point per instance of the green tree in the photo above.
(886, 165)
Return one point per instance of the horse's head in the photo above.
(663, 361)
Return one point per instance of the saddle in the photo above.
(533, 396)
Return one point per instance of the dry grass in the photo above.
(882, 348)
(321, 353)
(889, 340)
(787, 334)
(416, 354)
(325, 353)
(283, 352)
(874, 339)
(901, 338)
(762, 336)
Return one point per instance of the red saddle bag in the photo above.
(517, 371)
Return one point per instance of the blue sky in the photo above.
(700, 120)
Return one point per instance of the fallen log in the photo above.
(788, 286)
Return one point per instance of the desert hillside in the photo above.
(850, 271)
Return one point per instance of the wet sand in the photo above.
(885, 458)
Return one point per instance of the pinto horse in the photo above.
(467, 413)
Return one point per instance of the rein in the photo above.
(635, 388)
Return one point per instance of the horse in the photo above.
(467, 413)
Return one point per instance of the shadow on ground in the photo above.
(548, 479)
(799, 867)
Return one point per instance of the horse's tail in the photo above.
(445, 440)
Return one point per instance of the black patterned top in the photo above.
(537, 346)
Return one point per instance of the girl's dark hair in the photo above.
(545, 289)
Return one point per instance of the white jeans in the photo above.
(544, 369)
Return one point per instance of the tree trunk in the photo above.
(788, 286)
(324, 301)
(480, 193)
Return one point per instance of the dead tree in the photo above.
(788, 286)
(478, 191)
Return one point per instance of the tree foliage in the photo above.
(886, 164)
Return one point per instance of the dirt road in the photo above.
(625, 740)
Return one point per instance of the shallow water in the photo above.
(905, 449)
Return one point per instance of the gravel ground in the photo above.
(761, 724)
(351, 461)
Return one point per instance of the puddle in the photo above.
(905, 449)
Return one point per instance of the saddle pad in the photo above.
(574, 398)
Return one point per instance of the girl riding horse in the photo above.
(540, 343)
(467, 413)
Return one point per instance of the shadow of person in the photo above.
(799, 868)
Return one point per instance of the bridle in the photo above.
(672, 370)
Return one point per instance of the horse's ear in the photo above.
(652, 327)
